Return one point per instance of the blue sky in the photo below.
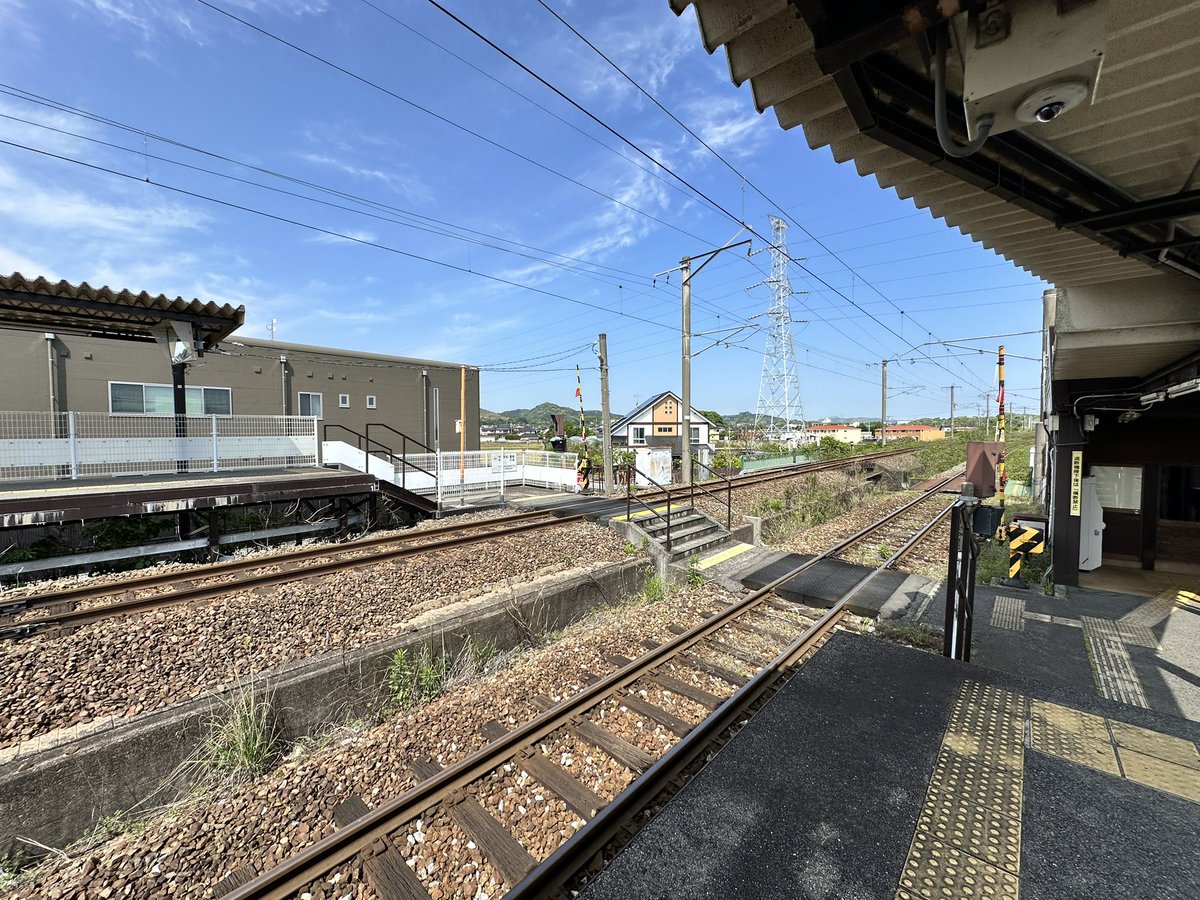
(511, 182)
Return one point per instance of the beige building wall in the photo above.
(260, 383)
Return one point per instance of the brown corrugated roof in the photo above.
(42, 305)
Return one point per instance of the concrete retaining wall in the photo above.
(55, 796)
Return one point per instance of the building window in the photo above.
(131, 399)
(638, 433)
(664, 429)
(343, 401)
(370, 401)
(1119, 487)
(695, 434)
(310, 405)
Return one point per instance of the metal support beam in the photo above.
(1160, 209)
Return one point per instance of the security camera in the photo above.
(1050, 111)
(1044, 64)
(1048, 103)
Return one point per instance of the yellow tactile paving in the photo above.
(1165, 776)
(1073, 735)
(1062, 718)
(967, 842)
(1152, 743)
(641, 514)
(991, 837)
(727, 554)
(935, 870)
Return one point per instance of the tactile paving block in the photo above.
(1166, 776)
(1009, 613)
(1001, 749)
(1074, 747)
(984, 834)
(978, 783)
(1051, 716)
(934, 870)
(1152, 743)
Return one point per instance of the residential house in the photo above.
(847, 434)
(912, 433)
(658, 424)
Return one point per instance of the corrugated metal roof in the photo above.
(1141, 135)
(61, 306)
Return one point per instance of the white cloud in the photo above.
(71, 212)
(649, 53)
(15, 261)
(151, 20)
(400, 181)
(15, 24)
(350, 238)
(728, 123)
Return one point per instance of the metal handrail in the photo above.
(364, 443)
(403, 457)
(728, 495)
(631, 470)
(406, 439)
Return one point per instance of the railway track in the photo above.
(72, 607)
(758, 633)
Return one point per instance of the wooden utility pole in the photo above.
(605, 418)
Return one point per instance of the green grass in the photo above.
(414, 680)
(920, 636)
(241, 744)
(809, 504)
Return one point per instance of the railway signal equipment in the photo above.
(1022, 542)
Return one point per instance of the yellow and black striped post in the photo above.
(1022, 542)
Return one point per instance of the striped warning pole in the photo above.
(1001, 466)
(583, 480)
(582, 423)
(1021, 543)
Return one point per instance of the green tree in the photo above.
(713, 416)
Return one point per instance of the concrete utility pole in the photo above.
(952, 409)
(605, 418)
(685, 267)
(883, 414)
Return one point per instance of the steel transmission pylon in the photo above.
(779, 411)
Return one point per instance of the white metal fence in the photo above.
(43, 445)
(453, 474)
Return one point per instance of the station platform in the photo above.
(85, 499)
(880, 771)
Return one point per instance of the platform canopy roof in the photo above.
(41, 305)
(1086, 198)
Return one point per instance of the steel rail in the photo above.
(27, 627)
(553, 874)
(18, 605)
(292, 874)
(219, 570)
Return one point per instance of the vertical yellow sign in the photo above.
(1076, 481)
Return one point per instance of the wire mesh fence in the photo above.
(44, 445)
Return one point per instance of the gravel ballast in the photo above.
(185, 851)
(130, 665)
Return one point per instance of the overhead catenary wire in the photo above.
(741, 176)
(668, 170)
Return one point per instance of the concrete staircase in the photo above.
(692, 532)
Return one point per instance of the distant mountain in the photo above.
(538, 416)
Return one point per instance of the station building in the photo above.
(1086, 175)
(344, 389)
